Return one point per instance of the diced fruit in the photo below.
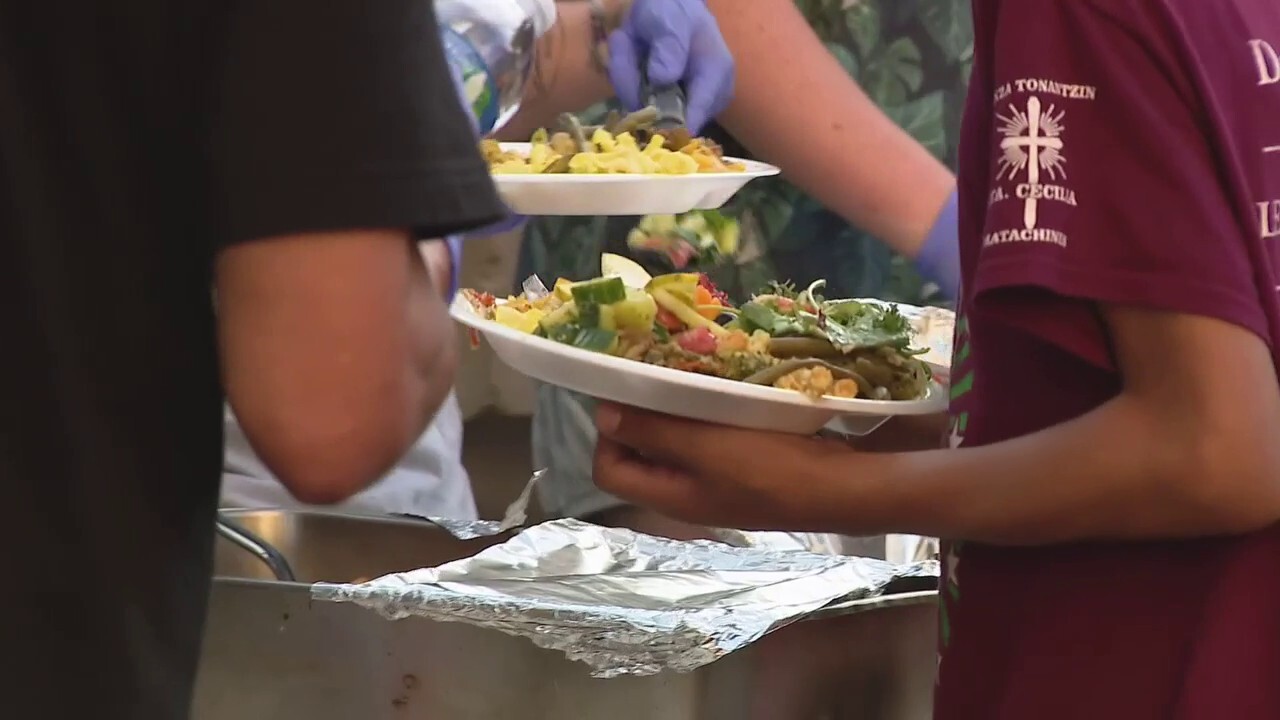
(698, 340)
(658, 224)
(525, 322)
(705, 282)
(683, 309)
(566, 313)
(680, 254)
(562, 289)
(707, 305)
(679, 282)
(680, 286)
(735, 341)
(632, 275)
(608, 317)
(601, 291)
(727, 238)
(669, 321)
(636, 312)
(694, 221)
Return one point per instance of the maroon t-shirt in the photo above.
(1120, 151)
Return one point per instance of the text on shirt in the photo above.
(1267, 60)
(1033, 154)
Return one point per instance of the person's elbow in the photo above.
(337, 352)
(330, 449)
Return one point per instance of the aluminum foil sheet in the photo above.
(626, 603)
(518, 512)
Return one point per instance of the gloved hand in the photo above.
(678, 41)
(939, 258)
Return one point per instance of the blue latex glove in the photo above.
(679, 42)
(939, 257)
(454, 242)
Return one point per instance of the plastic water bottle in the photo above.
(490, 45)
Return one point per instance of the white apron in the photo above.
(430, 481)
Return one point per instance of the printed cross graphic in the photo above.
(1032, 143)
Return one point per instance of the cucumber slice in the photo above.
(633, 276)
(565, 333)
(601, 291)
(566, 313)
(596, 340)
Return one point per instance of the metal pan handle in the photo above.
(256, 546)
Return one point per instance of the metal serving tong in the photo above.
(667, 99)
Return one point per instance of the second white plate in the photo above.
(569, 194)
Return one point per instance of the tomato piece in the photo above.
(669, 321)
(698, 340)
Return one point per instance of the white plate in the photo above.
(570, 194)
(686, 394)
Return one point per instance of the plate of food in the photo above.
(934, 331)
(787, 360)
(623, 167)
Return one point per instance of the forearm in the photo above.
(1116, 473)
(566, 78)
(796, 107)
(433, 364)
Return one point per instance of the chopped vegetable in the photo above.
(563, 289)
(633, 276)
(684, 310)
(798, 341)
(707, 305)
(637, 312)
(526, 321)
(601, 291)
(669, 321)
(704, 237)
(697, 340)
(566, 313)
(596, 339)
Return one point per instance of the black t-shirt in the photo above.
(136, 138)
